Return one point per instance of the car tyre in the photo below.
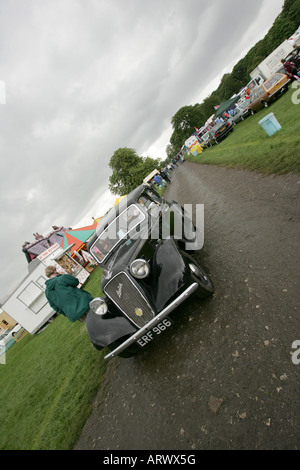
(252, 112)
(205, 286)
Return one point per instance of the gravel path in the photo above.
(222, 377)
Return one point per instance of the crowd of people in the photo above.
(164, 176)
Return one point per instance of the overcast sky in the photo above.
(83, 78)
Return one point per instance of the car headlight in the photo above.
(99, 306)
(140, 268)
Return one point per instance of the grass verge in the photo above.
(250, 147)
(48, 385)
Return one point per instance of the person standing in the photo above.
(64, 296)
(290, 69)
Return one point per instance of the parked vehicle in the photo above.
(255, 83)
(147, 271)
(268, 91)
(192, 144)
(240, 112)
(272, 63)
(220, 131)
(205, 140)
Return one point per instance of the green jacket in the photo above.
(64, 297)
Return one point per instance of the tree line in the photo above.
(129, 169)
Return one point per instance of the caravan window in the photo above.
(32, 297)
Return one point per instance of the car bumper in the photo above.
(163, 314)
(223, 134)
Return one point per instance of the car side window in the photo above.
(253, 97)
(144, 201)
(153, 196)
(149, 197)
(260, 91)
(269, 83)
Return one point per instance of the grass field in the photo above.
(48, 385)
(250, 147)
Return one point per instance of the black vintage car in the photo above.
(142, 245)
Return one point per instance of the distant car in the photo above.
(147, 272)
(205, 140)
(268, 91)
(240, 112)
(220, 131)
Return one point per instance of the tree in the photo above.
(184, 123)
(129, 170)
(171, 152)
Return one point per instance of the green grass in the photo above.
(251, 148)
(48, 385)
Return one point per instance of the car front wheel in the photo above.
(205, 287)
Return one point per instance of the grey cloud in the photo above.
(85, 78)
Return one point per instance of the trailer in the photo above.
(272, 63)
(28, 304)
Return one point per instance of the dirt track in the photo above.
(222, 377)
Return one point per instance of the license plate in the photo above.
(223, 128)
(156, 331)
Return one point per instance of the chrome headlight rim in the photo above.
(140, 268)
(99, 306)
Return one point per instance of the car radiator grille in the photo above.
(124, 293)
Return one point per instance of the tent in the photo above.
(118, 200)
(78, 236)
(226, 105)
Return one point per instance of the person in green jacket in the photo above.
(64, 296)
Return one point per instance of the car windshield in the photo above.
(116, 231)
